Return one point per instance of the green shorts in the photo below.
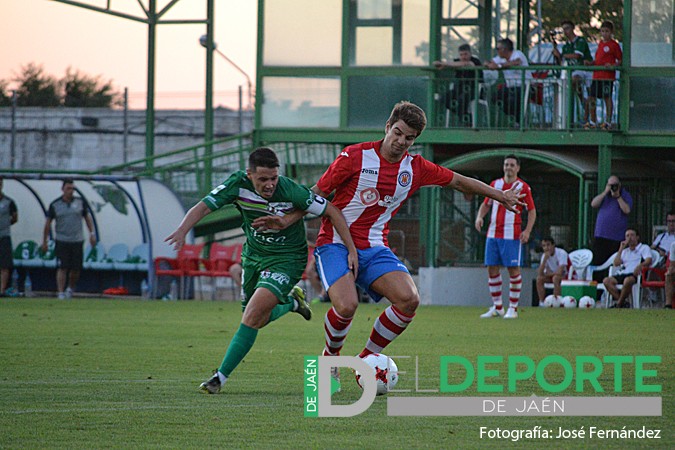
(278, 274)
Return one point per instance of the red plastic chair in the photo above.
(178, 266)
(655, 272)
(221, 258)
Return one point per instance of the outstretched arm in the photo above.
(509, 198)
(196, 213)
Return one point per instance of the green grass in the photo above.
(94, 373)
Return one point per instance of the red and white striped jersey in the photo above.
(370, 191)
(506, 224)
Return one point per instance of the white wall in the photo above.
(55, 138)
(467, 286)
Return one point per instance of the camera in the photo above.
(614, 187)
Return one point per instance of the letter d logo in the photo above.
(326, 409)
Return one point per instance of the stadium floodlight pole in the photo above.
(207, 42)
(203, 42)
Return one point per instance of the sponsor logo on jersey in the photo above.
(369, 171)
(369, 197)
(404, 178)
(387, 201)
(344, 154)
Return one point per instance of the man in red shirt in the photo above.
(608, 54)
(503, 247)
(371, 181)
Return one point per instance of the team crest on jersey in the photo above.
(369, 197)
(404, 178)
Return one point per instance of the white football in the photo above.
(569, 302)
(586, 302)
(552, 301)
(385, 370)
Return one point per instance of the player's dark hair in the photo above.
(262, 157)
(512, 156)
(548, 239)
(637, 233)
(67, 181)
(411, 114)
(464, 48)
(507, 44)
(608, 24)
(567, 22)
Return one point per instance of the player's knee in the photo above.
(407, 302)
(346, 309)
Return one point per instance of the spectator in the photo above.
(632, 256)
(68, 211)
(464, 86)
(9, 215)
(552, 269)
(503, 246)
(575, 52)
(608, 54)
(510, 93)
(670, 277)
(613, 204)
(664, 240)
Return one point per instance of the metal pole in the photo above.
(150, 100)
(208, 107)
(125, 145)
(13, 141)
(241, 112)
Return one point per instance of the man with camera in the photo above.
(613, 204)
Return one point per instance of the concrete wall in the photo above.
(90, 138)
(467, 286)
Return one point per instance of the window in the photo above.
(301, 102)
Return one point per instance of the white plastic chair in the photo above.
(581, 261)
(635, 291)
(94, 258)
(117, 255)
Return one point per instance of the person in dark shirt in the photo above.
(463, 88)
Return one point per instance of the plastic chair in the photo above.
(580, 264)
(653, 272)
(635, 292)
(94, 257)
(221, 258)
(49, 257)
(177, 267)
(26, 255)
(117, 255)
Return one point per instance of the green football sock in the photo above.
(280, 310)
(241, 343)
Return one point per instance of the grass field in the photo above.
(94, 373)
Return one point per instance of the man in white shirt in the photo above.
(664, 240)
(632, 256)
(552, 269)
(511, 93)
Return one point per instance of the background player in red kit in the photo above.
(371, 181)
(503, 246)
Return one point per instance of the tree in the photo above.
(35, 88)
(586, 14)
(5, 98)
(84, 91)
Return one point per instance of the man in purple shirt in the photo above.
(614, 205)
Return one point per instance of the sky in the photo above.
(57, 36)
